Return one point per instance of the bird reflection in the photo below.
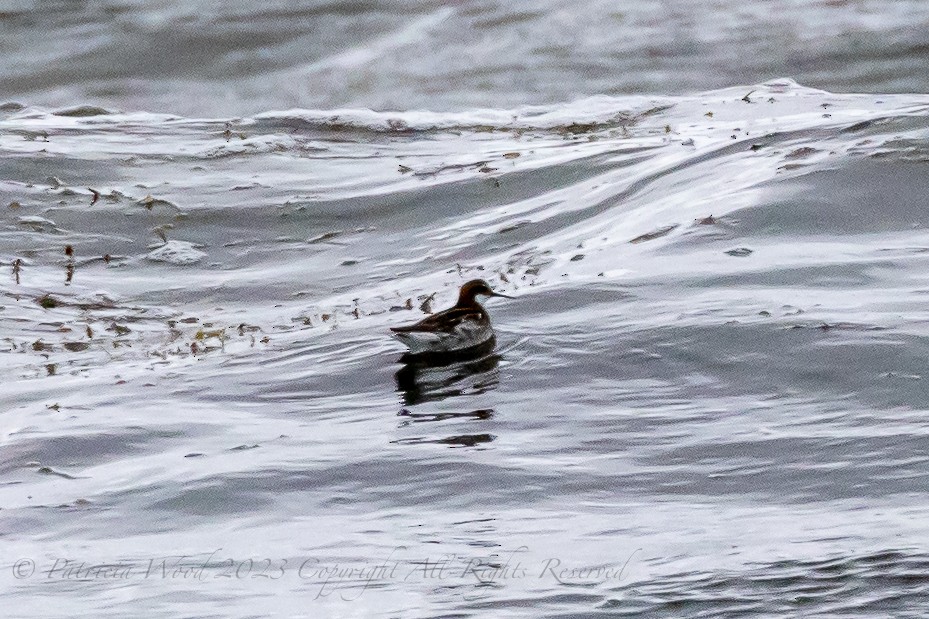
(411, 417)
(461, 440)
(458, 440)
(430, 380)
(418, 381)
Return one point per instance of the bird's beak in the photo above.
(505, 296)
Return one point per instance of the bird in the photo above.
(463, 328)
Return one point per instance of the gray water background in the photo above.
(709, 397)
(212, 58)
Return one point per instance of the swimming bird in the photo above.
(463, 328)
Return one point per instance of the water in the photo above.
(708, 397)
(211, 58)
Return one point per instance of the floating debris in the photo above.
(119, 329)
(150, 203)
(575, 128)
(739, 252)
(219, 334)
(426, 305)
(160, 232)
(47, 470)
(69, 268)
(801, 153)
(827, 326)
(324, 237)
(38, 224)
(115, 196)
(650, 236)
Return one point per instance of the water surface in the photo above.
(708, 397)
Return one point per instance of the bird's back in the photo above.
(453, 329)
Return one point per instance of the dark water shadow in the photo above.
(410, 417)
(460, 440)
(420, 382)
(449, 357)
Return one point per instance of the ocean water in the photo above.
(708, 398)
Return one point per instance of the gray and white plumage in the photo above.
(462, 327)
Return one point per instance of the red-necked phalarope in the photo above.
(458, 329)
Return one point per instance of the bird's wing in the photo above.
(444, 322)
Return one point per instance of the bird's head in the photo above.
(475, 288)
